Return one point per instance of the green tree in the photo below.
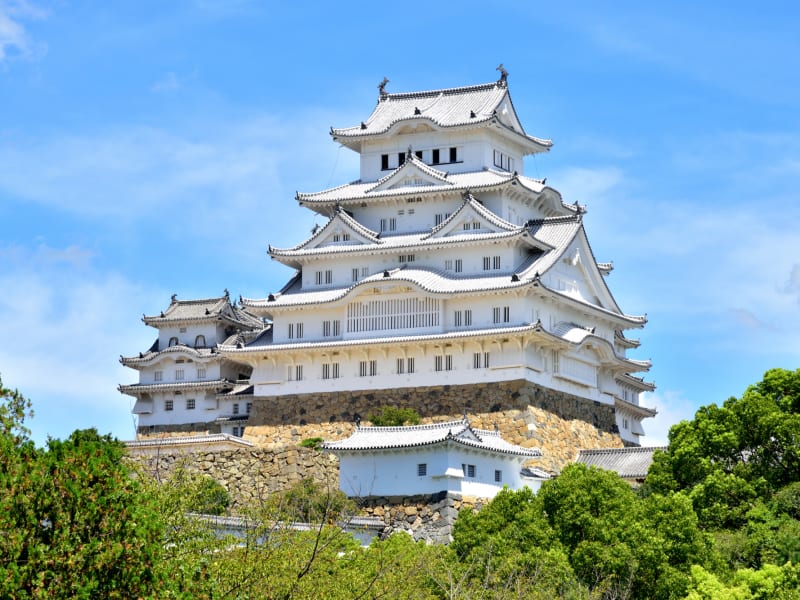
(74, 523)
(391, 416)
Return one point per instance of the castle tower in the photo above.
(444, 267)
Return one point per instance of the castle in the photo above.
(444, 279)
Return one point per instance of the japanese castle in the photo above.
(442, 265)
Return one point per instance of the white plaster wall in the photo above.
(390, 473)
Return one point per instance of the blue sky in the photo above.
(153, 148)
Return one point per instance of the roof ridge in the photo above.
(446, 91)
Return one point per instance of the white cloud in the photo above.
(168, 83)
(64, 326)
(14, 38)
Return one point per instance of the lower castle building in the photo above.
(443, 279)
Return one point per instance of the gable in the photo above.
(412, 173)
(471, 217)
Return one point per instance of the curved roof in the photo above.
(484, 104)
(151, 355)
(457, 432)
(209, 309)
(628, 463)
(140, 388)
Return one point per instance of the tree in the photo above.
(74, 523)
(391, 416)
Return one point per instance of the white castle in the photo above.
(443, 264)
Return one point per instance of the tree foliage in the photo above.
(391, 416)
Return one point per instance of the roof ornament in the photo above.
(174, 298)
(357, 419)
(386, 273)
(227, 294)
(271, 298)
(514, 277)
(363, 125)
(315, 229)
(162, 314)
(466, 195)
(408, 153)
(208, 312)
(382, 88)
(417, 111)
(503, 75)
(472, 114)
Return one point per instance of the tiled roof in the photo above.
(201, 354)
(555, 232)
(204, 310)
(471, 204)
(188, 440)
(138, 388)
(628, 463)
(459, 432)
(412, 163)
(456, 182)
(452, 107)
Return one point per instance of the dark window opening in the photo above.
(453, 155)
(401, 158)
(435, 159)
(418, 154)
(384, 161)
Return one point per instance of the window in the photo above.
(466, 226)
(331, 326)
(625, 423)
(476, 224)
(336, 237)
(249, 408)
(345, 237)
(323, 276)
(236, 408)
(487, 263)
(501, 314)
(418, 154)
(200, 341)
(453, 155)
(443, 362)
(404, 258)
(178, 374)
(459, 265)
(448, 265)
(326, 329)
(401, 158)
(355, 274)
(173, 341)
(458, 317)
(422, 469)
(238, 431)
(168, 404)
(401, 366)
(383, 224)
(496, 262)
(384, 162)
(330, 370)
(337, 328)
(190, 404)
(393, 313)
(410, 365)
(468, 317)
(392, 224)
(364, 272)
(295, 373)
(401, 212)
(556, 360)
(469, 470)
(435, 156)
(182, 330)
(295, 330)
(498, 476)
(158, 375)
(480, 360)
(201, 373)
(503, 161)
(367, 367)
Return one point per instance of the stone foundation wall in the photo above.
(249, 475)
(426, 517)
(525, 414)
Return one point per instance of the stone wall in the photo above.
(249, 475)
(525, 414)
(428, 518)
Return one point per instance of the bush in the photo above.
(391, 416)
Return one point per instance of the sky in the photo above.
(153, 148)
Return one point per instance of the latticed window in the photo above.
(422, 469)
(393, 313)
